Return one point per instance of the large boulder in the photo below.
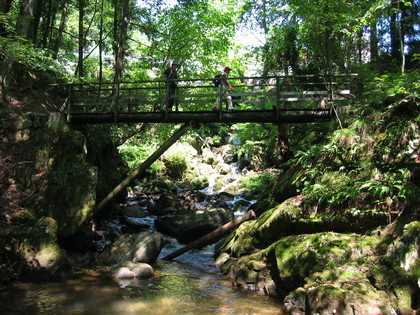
(167, 203)
(143, 247)
(187, 227)
(288, 254)
(35, 250)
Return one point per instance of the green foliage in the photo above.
(383, 91)
(260, 184)
(200, 182)
(258, 142)
(34, 59)
(371, 161)
(134, 154)
(175, 165)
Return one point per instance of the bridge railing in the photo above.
(250, 93)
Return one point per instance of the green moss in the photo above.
(302, 255)
(200, 182)
(49, 255)
(236, 240)
(277, 222)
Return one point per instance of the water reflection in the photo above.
(189, 285)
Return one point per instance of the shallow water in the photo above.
(188, 285)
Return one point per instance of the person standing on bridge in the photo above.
(171, 73)
(224, 88)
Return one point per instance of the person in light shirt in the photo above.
(225, 88)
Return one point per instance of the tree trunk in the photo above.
(265, 30)
(101, 41)
(284, 153)
(140, 169)
(80, 69)
(48, 23)
(211, 237)
(115, 29)
(37, 18)
(60, 31)
(394, 33)
(25, 24)
(119, 60)
(374, 43)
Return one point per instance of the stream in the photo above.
(190, 284)
(187, 285)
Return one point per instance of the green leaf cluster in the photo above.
(369, 165)
(21, 51)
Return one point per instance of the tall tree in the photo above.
(119, 60)
(80, 66)
(47, 25)
(28, 20)
(59, 36)
(101, 42)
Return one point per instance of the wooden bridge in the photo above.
(286, 99)
(280, 99)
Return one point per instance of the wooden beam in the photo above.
(262, 116)
(140, 169)
(213, 236)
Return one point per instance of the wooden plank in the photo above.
(263, 116)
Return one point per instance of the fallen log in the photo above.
(141, 168)
(213, 236)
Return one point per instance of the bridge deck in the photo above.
(273, 100)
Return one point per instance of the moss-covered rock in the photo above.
(300, 256)
(48, 171)
(322, 271)
(36, 252)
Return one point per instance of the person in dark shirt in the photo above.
(171, 73)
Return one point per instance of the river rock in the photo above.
(134, 212)
(324, 272)
(130, 270)
(167, 203)
(190, 226)
(142, 247)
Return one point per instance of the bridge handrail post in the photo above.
(220, 98)
(330, 86)
(115, 99)
(70, 102)
(278, 90)
(167, 99)
(176, 99)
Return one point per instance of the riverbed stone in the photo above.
(142, 247)
(167, 203)
(134, 212)
(147, 247)
(189, 226)
(130, 270)
(321, 271)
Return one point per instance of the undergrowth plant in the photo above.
(369, 165)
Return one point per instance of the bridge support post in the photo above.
(141, 168)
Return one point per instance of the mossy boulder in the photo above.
(294, 255)
(36, 252)
(300, 256)
(49, 170)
